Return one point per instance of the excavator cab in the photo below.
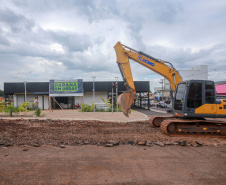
(196, 98)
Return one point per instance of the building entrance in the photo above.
(64, 102)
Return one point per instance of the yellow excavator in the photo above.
(195, 107)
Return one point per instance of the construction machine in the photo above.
(195, 107)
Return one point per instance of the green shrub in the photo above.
(90, 108)
(10, 109)
(21, 109)
(24, 106)
(37, 112)
(2, 106)
(86, 108)
(100, 110)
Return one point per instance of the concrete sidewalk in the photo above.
(77, 115)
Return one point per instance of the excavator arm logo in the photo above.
(145, 61)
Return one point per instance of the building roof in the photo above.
(220, 82)
(11, 88)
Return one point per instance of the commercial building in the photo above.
(195, 73)
(221, 89)
(41, 90)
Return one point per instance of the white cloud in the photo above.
(42, 40)
(55, 47)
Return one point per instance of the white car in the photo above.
(169, 108)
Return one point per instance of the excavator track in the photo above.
(155, 121)
(181, 127)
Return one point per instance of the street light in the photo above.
(25, 87)
(94, 92)
(162, 86)
(116, 78)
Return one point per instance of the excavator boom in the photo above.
(124, 53)
(126, 99)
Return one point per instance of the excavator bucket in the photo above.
(125, 101)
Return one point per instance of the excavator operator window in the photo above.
(209, 93)
(179, 96)
(195, 95)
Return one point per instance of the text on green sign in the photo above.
(66, 86)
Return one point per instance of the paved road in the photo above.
(123, 164)
(153, 111)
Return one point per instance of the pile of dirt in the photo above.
(67, 132)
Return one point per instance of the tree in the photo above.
(1, 93)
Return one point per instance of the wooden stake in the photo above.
(50, 105)
(58, 103)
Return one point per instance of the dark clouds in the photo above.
(42, 40)
(15, 22)
(72, 41)
(4, 41)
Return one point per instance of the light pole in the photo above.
(25, 89)
(116, 78)
(162, 87)
(94, 92)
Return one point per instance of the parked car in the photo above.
(169, 108)
(161, 105)
(167, 101)
(144, 102)
(152, 104)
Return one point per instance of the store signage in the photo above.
(66, 87)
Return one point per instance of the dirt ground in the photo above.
(119, 165)
(69, 132)
(47, 151)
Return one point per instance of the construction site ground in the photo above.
(70, 147)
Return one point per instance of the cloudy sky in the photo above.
(57, 39)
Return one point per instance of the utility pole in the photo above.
(113, 87)
(94, 92)
(162, 81)
(116, 78)
(112, 99)
(25, 89)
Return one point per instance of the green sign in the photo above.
(65, 86)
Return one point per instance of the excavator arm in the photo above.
(123, 54)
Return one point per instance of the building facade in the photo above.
(195, 73)
(221, 89)
(40, 90)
